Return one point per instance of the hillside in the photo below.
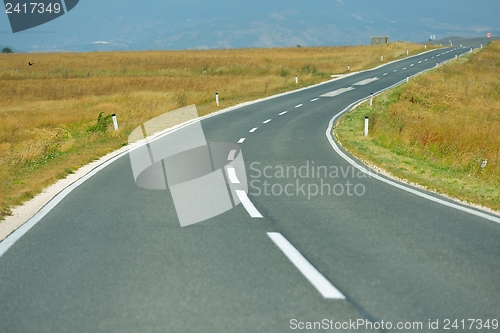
(192, 24)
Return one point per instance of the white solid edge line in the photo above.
(267, 121)
(231, 174)
(230, 157)
(19, 232)
(252, 211)
(325, 287)
(253, 130)
(7, 242)
(282, 113)
(241, 140)
(391, 182)
(16, 234)
(298, 106)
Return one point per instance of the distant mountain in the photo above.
(196, 24)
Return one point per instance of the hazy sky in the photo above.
(195, 24)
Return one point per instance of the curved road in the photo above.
(112, 257)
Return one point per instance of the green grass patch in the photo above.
(441, 130)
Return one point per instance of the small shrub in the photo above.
(284, 72)
(102, 124)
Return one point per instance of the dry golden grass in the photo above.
(439, 129)
(46, 109)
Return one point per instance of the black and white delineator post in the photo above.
(217, 99)
(407, 78)
(115, 122)
(382, 58)
(407, 52)
(296, 79)
(348, 67)
(437, 64)
(366, 125)
(371, 99)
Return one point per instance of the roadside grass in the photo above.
(438, 130)
(48, 110)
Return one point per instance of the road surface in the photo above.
(112, 257)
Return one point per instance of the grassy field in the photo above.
(49, 111)
(441, 130)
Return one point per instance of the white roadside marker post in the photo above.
(425, 47)
(115, 122)
(366, 125)
(407, 78)
(371, 99)
(217, 99)
(437, 64)
(296, 79)
(348, 68)
(381, 58)
(407, 52)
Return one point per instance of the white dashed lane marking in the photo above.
(230, 157)
(253, 130)
(298, 106)
(231, 174)
(314, 99)
(325, 287)
(242, 195)
(241, 140)
(282, 113)
(267, 121)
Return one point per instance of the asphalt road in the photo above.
(112, 257)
